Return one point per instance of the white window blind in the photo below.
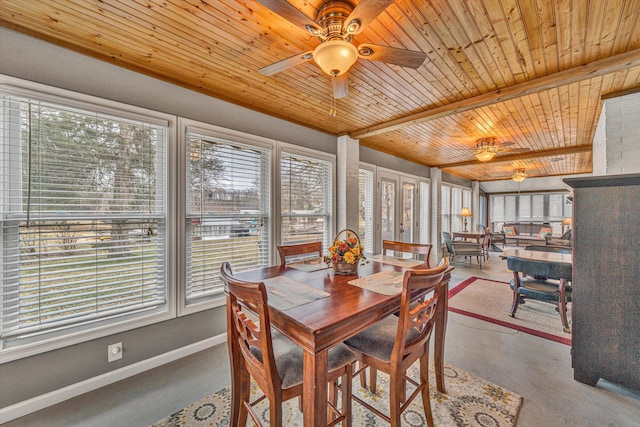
(366, 191)
(83, 218)
(425, 212)
(306, 199)
(227, 211)
(446, 208)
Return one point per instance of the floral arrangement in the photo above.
(348, 251)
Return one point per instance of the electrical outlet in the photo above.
(114, 352)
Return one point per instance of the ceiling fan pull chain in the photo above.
(333, 109)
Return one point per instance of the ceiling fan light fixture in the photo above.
(519, 175)
(485, 155)
(335, 56)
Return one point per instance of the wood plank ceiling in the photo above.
(532, 72)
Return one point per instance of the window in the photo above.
(84, 220)
(227, 210)
(456, 208)
(365, 217)
(306, 197)
(446, 208)
(425, 212)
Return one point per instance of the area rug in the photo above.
(469, 401)
(490, 300)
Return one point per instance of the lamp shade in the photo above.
(567, 221)
(335, 56)
(465, 212)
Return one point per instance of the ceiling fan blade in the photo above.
(365, 12)
(292, 61)
(290, 13)
(392, 55)
(340, 86)
(513, 150)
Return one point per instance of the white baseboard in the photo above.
(37, 403)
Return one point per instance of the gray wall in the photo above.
(32, 59)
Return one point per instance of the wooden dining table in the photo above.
(324, 322)
(467, 235)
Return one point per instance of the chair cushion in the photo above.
(541, 290)
(289, 356)
(378, 340)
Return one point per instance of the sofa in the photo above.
(526, 233)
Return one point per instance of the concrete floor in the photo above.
(538, 369)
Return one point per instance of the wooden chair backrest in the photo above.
(412, 248)
(286, 251)
(419, 316)
(253, 337)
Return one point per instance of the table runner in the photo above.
(285, 293)
(398, 262)
(384, 282)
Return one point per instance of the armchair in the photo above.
(465, 249)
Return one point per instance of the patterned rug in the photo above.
(490, 300)
(469, 401)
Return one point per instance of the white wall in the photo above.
(622, 135)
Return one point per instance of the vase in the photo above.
(344, 268)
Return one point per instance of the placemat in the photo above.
(285, 293)
(309, 265)
(384, 282)
(398, 262)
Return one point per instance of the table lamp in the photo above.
(567, 221)
(465, 212)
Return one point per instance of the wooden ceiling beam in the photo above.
(523, 156)
(593, 69)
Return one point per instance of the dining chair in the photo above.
(419, 249)
(271, 359)
(393, 344)
(466, 249)
(542, 281)
(293, 253)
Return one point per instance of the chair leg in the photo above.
(395, 387)
(424, 378)
(373, 379)
(516, 297)
(275, 412)
(562, 305)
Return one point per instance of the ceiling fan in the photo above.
(336, 23)
(487, 148)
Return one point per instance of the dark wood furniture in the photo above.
(467, 235)
(542, 280)
(395, 343)
(271, 359)
(465, 249)
(606, 272)
(323, 323)
(423, 250)
(287, 251)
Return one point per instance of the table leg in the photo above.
(314, 388)
(441, 327)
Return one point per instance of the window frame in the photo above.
(185, 308)
(43, 341)
(283, 147)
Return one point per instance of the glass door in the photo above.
(397, 207)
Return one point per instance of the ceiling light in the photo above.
(519, 175)
(485, 155)
(335, 56)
